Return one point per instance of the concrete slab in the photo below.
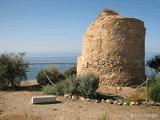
(43, 99)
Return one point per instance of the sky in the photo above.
(57, 26)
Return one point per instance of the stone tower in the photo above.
(114, 49)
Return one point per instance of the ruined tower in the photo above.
(114, 49)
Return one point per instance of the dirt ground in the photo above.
(16, 105)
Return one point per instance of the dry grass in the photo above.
(139, 95)
(104, 117)
(20, 117)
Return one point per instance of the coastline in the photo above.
(28, 83)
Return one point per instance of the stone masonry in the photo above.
(113, 48)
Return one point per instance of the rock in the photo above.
(82, 98)
(93, 100)
(113, 49)
(87, 99)
(69, 97)
(152, 103)
(43, 99)
(157, 104)
(74, 97)
(120, 103)
(115, 102)
(125, 103)
(97, 101)
(119, 88)
(66, 95)
(109, 101)
(103, 101)
(132, 103)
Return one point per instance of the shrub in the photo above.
(88, 84)
(12, 69)
(54, 90)
(152, 79)
(70, 72)
(126, 100)
(155, 91)
(53, 74)
(71, 85)
(60, 88)
(1, 85)
(154, 63)
(85, 86)
(141, 89)
(49, 89)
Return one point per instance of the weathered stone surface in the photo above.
(115, 102)
(132, 103)
(74, 97)
(109, 101)
(103, 101)
(113, 48)
(82, 98)
(125, 103)
(66, 95)
(43, 99)
(119, 88)
(87, 99)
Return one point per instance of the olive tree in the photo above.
(12, 69)
(154, 63)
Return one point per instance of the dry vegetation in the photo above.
(20, 108)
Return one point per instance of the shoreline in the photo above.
(28, 82)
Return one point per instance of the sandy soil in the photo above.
(16, 105)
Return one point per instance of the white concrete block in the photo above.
(43, 99)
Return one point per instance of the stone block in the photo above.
(43, 99)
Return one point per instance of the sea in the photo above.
(38, 63)
(62, 62)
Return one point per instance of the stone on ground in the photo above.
(43, 99)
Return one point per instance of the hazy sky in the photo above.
(51, 26)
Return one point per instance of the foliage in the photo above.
(70, 72)
(12, 69)
(54, 90)
(60, 88)
(85, 86)
(141, 89)
(49, 89)
(88, 84)
(71, 85)
(53, 74)
(154, 63)
(126, 100)
(153, 79)
(2, 85)
(154, 93)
